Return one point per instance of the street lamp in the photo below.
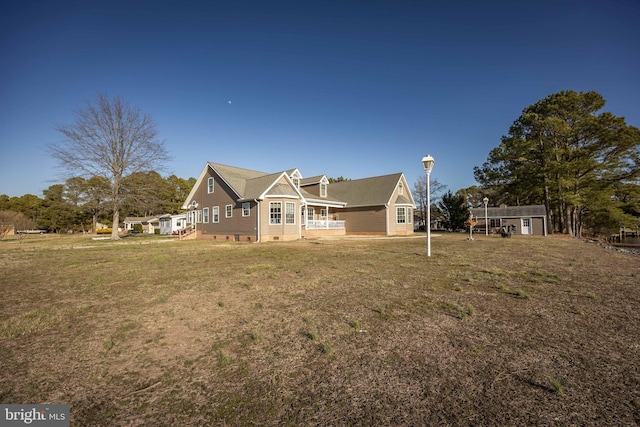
(486, 221)
(428, 162)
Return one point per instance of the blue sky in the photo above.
(343, 88)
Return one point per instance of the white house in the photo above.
(170, 224)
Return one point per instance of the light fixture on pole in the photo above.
(486, 221)
(428, 162)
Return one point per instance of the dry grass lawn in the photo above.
(145, 331)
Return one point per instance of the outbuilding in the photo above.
(520, 220)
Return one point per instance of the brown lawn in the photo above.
(145, 331)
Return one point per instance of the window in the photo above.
(216, 214)
(246, 209)
(275, 213)
(323, 190)
(229, 211)
(311, 213)
(400, 188)
(323, 213)
(409, 216)
(401, 215)
(199, 216)
(290, 213)
(205, 215)
(210, 185)
(296, 179)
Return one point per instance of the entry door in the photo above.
(526, 225)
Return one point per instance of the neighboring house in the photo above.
(232, 203)
(149, 223)
(418, 222)
(519, 219)
(171, 224)
(7, 230)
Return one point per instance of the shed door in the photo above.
(526, 225)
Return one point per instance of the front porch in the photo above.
(313, 229)
(320, 220)
(324, 225)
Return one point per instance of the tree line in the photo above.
(564, 152)
(79, 204)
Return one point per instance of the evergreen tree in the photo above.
(564, 154)
(454, 211)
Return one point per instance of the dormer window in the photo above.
(295, 177)
(323, 189)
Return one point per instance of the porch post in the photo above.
(326, 226)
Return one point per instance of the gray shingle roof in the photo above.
(251, 184)
(255, 187)
(311, 180)
(330, 199)
(511, 211)
(237, 177)
(367, 191)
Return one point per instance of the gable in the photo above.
(282, 189)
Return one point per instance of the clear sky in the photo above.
(343, 88)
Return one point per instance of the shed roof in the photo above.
(511, 211)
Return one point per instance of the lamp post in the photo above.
(486, 220)
(428, 162)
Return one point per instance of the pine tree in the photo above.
(564, 154)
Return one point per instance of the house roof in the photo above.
(137, 219)
(402, 200)
(140, 220)
(317, 200)
(250, 184)
(511, 211)
(254, 188)
(367, 191)
(237, 178)
(311, 180)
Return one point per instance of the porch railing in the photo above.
(324, 224)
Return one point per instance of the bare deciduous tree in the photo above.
(110, 139)
(420, 195)
(14, 222)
